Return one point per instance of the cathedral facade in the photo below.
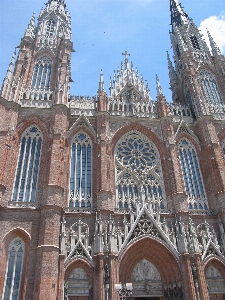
(117, 188)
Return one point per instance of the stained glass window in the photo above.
(210, 87)
(13, 270)
(42, 73)
(138, 172)
(81, 171)
(25, 184)
(192, 176)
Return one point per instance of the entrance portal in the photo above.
(146, 281)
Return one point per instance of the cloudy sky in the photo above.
(103, 29)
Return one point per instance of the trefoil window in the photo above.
(81, 171)
(192, 176)
(26, 178)
(14, 270)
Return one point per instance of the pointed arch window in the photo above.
(210, 88)
(194, 42)
(192, 176)
(14, 270)
(138, 172)
(81, 171)
(25, 184)
(42, 73)
(50, 27)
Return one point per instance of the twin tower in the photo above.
(115, 194)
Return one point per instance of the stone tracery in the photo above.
(138, 171)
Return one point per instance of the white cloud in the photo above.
(216, 27)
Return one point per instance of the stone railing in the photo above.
(179, 111)
(82, 104)
(143, 110)
(22, 204)
(217, 108)
(36, 98)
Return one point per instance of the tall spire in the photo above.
(101, 82)
(215, 49)
(30, 28)
(178, 15)
(158, 87)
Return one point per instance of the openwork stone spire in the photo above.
(215, 49)
(158, 86)
(129, 94)
(178, 15)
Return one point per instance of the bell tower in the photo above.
(196, 81)
(40, 76)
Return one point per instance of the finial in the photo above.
(126, 63)
(158, 86)
(215, 49)
(32, 20)
(101, 82)
(11, 65)
(178, 15)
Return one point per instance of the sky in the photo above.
(103, 29)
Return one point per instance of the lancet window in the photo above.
(192, 176)
(194, 42)
(210, 88)
(26, 178)
(14, 270)
(42, 73)
(81, 171)
(138, 170)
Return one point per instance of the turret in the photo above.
(193, 81)
(42, 72)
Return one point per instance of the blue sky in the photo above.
(139, 26)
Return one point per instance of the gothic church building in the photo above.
(117, 188)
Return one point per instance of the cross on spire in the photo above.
(126, 54)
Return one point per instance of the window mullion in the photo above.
(32, 173)
(85, 185)
(13, 275)
(186, 171)
(22, 166)
(28, 165)
(191, 172)
(80, 183)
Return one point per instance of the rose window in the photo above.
(138, 171)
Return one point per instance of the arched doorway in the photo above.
(215, 283)
(146, 281)
(78, 285)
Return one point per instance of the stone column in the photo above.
(113, 276)
(47, 259)
(105, 193)
(201, 278)
(61, 277)
(98, 282)
(174, 180)
(188, 282)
